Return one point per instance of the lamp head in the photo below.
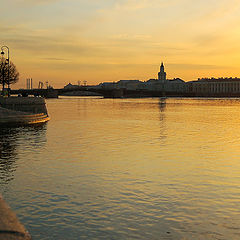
(2, 53)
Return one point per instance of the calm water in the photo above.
(127, 169)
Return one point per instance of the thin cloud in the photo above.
(35, 2)
(194, 66)
(56, 59)
(223, 9)
(132, 5)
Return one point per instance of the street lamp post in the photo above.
(8, 62)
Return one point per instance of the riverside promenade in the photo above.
(10, 227)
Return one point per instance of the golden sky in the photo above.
(62, 41)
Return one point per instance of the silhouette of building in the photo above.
(174, 86)
(70, 86)
(162, 76)
(122, 84)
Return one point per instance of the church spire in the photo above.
(162, 67)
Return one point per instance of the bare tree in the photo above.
(13, 73)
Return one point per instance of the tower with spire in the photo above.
(162, 76)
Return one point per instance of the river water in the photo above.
(127, 169)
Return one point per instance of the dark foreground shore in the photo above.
(10, 227)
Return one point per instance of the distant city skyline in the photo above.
(99, 40)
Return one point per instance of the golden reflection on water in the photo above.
(134, 168)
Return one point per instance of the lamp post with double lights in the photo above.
(7, 61)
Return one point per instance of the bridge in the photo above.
(54, 93)
(107, 93)
(34, 92)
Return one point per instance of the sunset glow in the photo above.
(62, 41)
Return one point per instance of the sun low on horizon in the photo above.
(66, 41)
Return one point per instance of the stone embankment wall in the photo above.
(24, 104)
(10, 227)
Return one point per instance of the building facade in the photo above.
(215, 87)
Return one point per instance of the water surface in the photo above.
(127, 169)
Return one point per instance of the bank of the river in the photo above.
(15, 111)
(10, 227)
